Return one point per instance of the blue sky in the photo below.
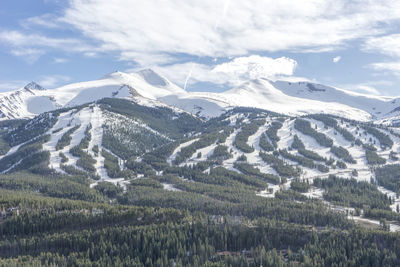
(207, 45)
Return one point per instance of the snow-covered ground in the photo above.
(97, 122)
(350, 212)
(12, 166)
(205, 152)
(268, 192)
(374, 105)
(170, 187)
(13, 149)
(96, 140)
(236, 153)
(392, 195)
(286, 134)
(121, 162)
(254, 158)
(172, 157)
(358, 153)
(91, 115)
(374, 223)
(116, 181)
(82, 118)
(66, 121)
(315, 192)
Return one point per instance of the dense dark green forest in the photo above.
(53, 226)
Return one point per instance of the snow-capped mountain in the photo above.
(284, 97)
(25, 102)
(294, 99)
(33, 99)
(299, 98)
(263, 94)
(376, 106)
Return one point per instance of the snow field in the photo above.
(205, 153)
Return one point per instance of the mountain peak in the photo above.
(33, 86)
(153, 77)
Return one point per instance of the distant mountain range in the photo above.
(290, 98)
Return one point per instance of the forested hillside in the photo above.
(121, 183)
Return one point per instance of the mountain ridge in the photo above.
(290, 98)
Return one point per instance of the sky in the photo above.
(203, 45)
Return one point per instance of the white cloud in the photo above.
(392, 67)
(178, 73)
(372, 87)
(388, 45)
(336, 59)
(46, 21)
(156, 33)
(11, 85)
(17, 39)
(254, 67)
(47, 82)
(59, 60)
(51, 1)
(362, 88)
(222, 28)
(30, 55)
(231, 73)
(53, 80)
(32, 46)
